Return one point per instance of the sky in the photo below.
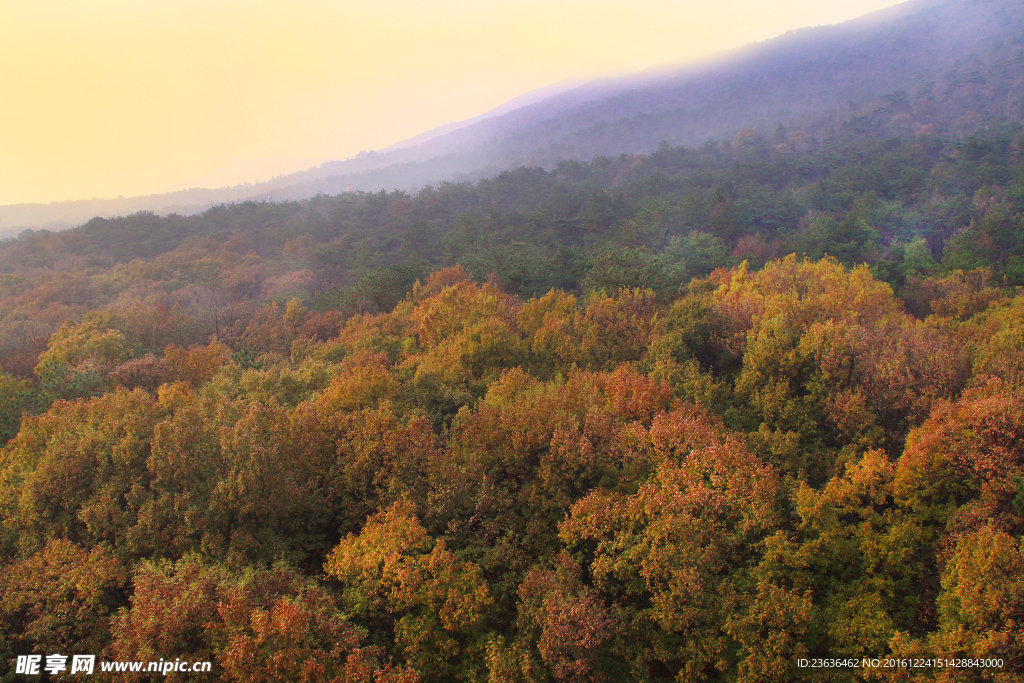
(107, 98)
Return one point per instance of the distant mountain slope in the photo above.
(949, 64)
(961, 63)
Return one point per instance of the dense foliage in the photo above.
(680, 417)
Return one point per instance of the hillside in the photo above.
(740, 408)
(911, 206)
(951, 65)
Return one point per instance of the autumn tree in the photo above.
(399, 581)
(673, 560)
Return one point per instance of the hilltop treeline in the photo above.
(680, 417)
(910, 208)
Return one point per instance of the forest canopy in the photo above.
(685, 416)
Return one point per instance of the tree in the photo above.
(14, 399)
(78, 358)
(60, 599)
(397, 579)
(672, 559)
(263, 625)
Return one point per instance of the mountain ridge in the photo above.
(813, 78)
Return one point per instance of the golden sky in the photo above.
(100, 98)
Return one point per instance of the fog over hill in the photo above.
(950, 65)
